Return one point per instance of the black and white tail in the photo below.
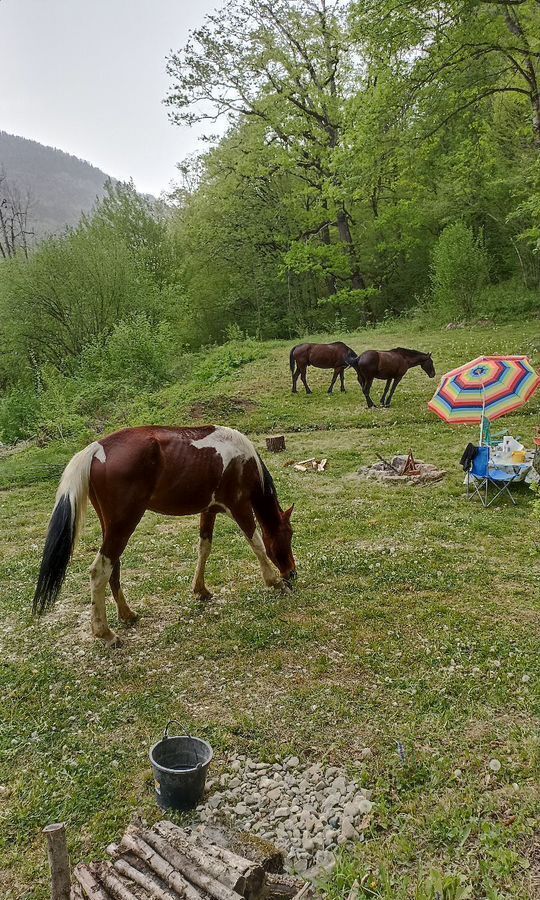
(65, 525)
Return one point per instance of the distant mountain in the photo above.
(62, 186)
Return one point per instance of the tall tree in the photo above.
(285, 65)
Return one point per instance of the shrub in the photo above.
(136, 353)
(459, 269)
(19, 415)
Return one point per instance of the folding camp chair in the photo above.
(480, 476)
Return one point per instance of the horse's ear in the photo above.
(288, 513)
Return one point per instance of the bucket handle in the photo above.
(172, 722)
(187, 734)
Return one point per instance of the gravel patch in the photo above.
(308, 811)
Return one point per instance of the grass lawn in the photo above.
(416, 620)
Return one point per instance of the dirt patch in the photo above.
(221, 406)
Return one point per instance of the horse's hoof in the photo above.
(203, 596)
(282, 586)
(132, 619)
(113, 642)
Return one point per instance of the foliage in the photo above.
(459, 270)
(20, 414)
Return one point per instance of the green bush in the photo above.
(136, 354)
(459, 269)
(19, 415)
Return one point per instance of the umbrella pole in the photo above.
(483, 414)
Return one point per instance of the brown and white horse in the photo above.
(174, 471)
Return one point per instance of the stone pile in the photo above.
(307, 811)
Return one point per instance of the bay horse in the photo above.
(337, 356)
(173, 471)
(390, 365)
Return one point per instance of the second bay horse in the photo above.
(337, 356)
(173, 471)
(390, 366)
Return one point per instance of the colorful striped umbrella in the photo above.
(490, 387)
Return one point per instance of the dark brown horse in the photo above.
(174, 471)
(336, 356)
(389, 365)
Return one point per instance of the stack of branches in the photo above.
(166, 863)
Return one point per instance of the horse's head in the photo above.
(278, 544)
(427, 365)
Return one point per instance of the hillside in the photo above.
(61, 185)
(414, 620)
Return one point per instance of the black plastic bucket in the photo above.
(180, 764)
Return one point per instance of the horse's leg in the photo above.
(342, 379)
(304, 380)
(125, 613)
(394, 386)
(206, 530)
(387, 385)
(295, 377)
(245, 519)
(115, 537)
(334, 379)
(366, 389)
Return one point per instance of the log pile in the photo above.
(166, 863)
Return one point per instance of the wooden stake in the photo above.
(58, 860)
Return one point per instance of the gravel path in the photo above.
(307, 811)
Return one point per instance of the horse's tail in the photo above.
(64, 527)
(292, 360)
(351, 359)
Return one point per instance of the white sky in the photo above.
(88, 76)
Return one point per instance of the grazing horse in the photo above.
(173, 471)
(389, 365)
(336, 356)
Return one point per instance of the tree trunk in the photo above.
(357, 279)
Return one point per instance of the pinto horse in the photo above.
(390, 365)
(173, 471)
(337, 356)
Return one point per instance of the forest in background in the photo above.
(379, 159)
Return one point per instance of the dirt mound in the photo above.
(217, 407)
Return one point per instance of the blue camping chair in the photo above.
(480, 477)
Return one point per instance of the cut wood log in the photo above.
(281, 887)
(276, 443)
(240, 875)
(115, 887)
(188, 868)
(160, 866)
(76, 892)
(58, 860)
(304, 891)
(88, 882)
(145, 879)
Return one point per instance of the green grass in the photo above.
(416, 619)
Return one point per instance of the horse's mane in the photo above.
(405, 352)
(269, 488)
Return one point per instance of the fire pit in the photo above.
(402, 470)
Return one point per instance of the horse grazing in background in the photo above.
(336, 356)
(173, 471)
(390, 365)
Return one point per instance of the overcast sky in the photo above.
(88, 76)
